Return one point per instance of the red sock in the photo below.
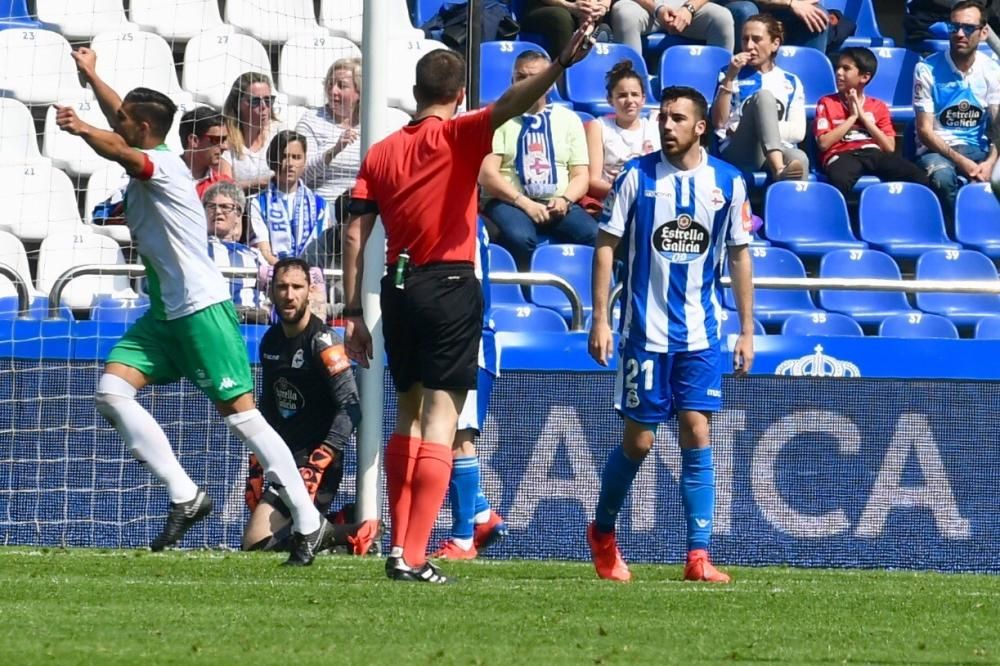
(430, 484)
(400, 461)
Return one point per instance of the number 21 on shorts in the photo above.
(637, 374)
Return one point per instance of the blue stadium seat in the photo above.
(111, 309)
(776, 305)
(585, 80)
(977, 219)
(572, 262)
(866, 307)
(893, 82)
(731, 323)
(39, 309)
(821, 323)
(808, 218)
(962, 309)
(496, 68)
(423, 11)
(527, 319)
(917, 325)
(903, 219)
(15, 14)
(814, 70)
(862, 12)
(504, 294)
(695, 66)
(988, 328)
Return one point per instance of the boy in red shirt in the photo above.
(854, 133)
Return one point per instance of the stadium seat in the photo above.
(39, 309)
(988, 328)
(695, 66)
(501, 261)
(808, 218)
(572, 262)
(289, 115)
(402, 75)
(215, 59)
(977, 219)
(36, 67)
(917, 325)
(179, 20)
(862, 12)
(585, 85)
(38, 200)
(893, 82)
(866, 307)
(903, 219)
(496, 68)
(101, 184)
(12, 254)
(962, 309)
(774, 306)
(526, 319)
(18, 141)
(303, 63)
(132, 58)
(814, 70)
(15, 14)
(821, 323)
(71, 153)
(424, 10)
(274, 21)
(395, 119)
(122, 310)
(79, 20)
(344, 18)
(730, 320)
(62, 251)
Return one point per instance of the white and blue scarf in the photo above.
(291, 223)
(535, 159)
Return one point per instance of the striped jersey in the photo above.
(959, 102)
(489, 352)
(788, 93)
(675, 226)
(229, 254)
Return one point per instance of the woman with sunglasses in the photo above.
(250, 121)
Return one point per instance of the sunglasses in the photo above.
(261, 101)
(965, 28)
(225, 208)
(214, 139)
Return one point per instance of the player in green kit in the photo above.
(191, 329)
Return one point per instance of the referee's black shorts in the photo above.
(433, 326)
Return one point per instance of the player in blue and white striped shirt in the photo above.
(679, 213)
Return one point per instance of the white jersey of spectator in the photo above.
(959, 102)
(788, 93)
(167, 222)
(675, 226)
(621, 145)
(229, 254)
(252, 165)
(321, 131)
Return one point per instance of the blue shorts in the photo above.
(651, 387)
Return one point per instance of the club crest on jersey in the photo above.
(716, 201)
(298, 359)
(288, 398)
(682, 240)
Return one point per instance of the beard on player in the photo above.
(290, 312)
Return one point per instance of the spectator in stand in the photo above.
(928, 19)
(537, 173)
(956, 95)
(332, 134)
(614, 139)
(805, 22)
(224, 205)
(694, 19)
(250, 120)
(759, 111)
(854, 132)
(204, 137)
(557, 19)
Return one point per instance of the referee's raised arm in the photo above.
(520, 96)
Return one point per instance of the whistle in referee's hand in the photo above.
(401, 263)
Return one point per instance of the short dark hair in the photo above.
(153, 107)
(289, 263)
(970, 4)
(276, 149)
(671, 93)
(440, 76)
(197, 121)
(863, 59)
(531, 55)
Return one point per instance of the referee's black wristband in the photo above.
(352, 312)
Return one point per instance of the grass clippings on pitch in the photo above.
(130, 607)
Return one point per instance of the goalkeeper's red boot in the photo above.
(488, 533)
(700, 568)
(365, 537)
(450, 550)
(606, 556)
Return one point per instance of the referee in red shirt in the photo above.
(422, 181)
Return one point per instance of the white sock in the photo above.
(115, 400)
(464, 544)
(279, 466)
(482, 517)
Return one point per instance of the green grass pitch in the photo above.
(131, 607)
